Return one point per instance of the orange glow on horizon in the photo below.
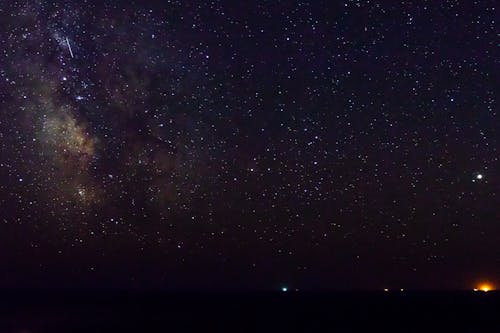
(485, 287)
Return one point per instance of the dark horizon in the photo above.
(253, 312)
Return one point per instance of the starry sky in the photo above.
(249, 145)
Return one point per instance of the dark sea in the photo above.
(49, 312)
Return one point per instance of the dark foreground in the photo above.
(272, 312)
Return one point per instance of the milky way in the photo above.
(185, 144)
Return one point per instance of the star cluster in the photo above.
(186, 144)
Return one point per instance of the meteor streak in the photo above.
(69, 47)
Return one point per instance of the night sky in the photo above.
(249, 145)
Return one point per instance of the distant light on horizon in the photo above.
(485, 287)
(284, 289)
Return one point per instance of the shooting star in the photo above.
(69, 47)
